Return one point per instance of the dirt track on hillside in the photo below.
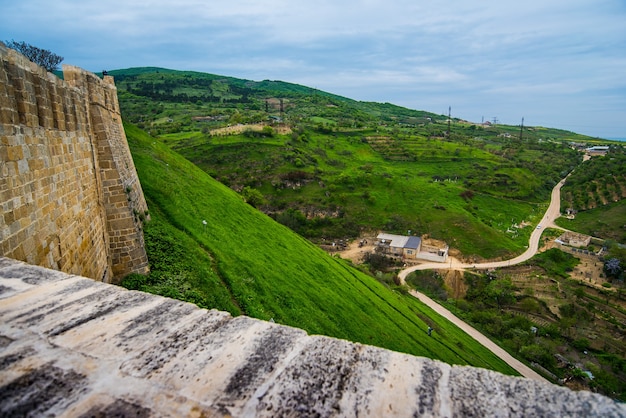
(551, 214)
(355, 253)
(523, 369)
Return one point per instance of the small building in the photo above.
(398, 245)
(597, 150)
(410, 247)
(574, 239)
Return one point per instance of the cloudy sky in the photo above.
(556, 63)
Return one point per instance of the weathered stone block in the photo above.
(130, 353)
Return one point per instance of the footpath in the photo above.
(523, 369)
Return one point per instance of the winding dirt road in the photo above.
(551, 214)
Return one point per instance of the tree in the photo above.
(501, 291)
(530, 305)
(612, 268)
(42, 57)
(253, 197)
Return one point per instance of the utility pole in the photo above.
(449, 113)
(495, 120)
(521, 130)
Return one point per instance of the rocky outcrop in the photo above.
(76, 347)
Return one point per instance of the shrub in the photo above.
(134, 281)
(377, 261)
(253, 197)
(612, 268)
(539, 353)
(581, 344)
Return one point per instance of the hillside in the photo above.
(600, 180)
(244, 262)
(332, 168)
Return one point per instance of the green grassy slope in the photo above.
(452, 191)
(597, 182)
(606, 222)
(350, 167)
(245, 262)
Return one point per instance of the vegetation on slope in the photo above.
(596, 193)
(598, 182)
(573, 329)
(348, 166)
(335, 186)
(245, 262)
(606, 221)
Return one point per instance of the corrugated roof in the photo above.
(397, 241)
(400, 241)
(413, 243)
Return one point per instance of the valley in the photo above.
(334, 170)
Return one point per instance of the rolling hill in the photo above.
(333, 168)
(328, 168)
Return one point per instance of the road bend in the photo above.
(551, 214)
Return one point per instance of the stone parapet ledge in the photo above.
(71, 346)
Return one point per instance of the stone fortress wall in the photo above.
(70, 198)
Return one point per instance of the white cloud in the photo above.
(554, 57)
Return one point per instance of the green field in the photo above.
(244, 262)
(452, 191)
(596, 191)
(606, 222)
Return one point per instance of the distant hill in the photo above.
(220, 93)
(333, 168)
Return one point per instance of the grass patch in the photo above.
(555, 262)
(605, 222)
(371, 166)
